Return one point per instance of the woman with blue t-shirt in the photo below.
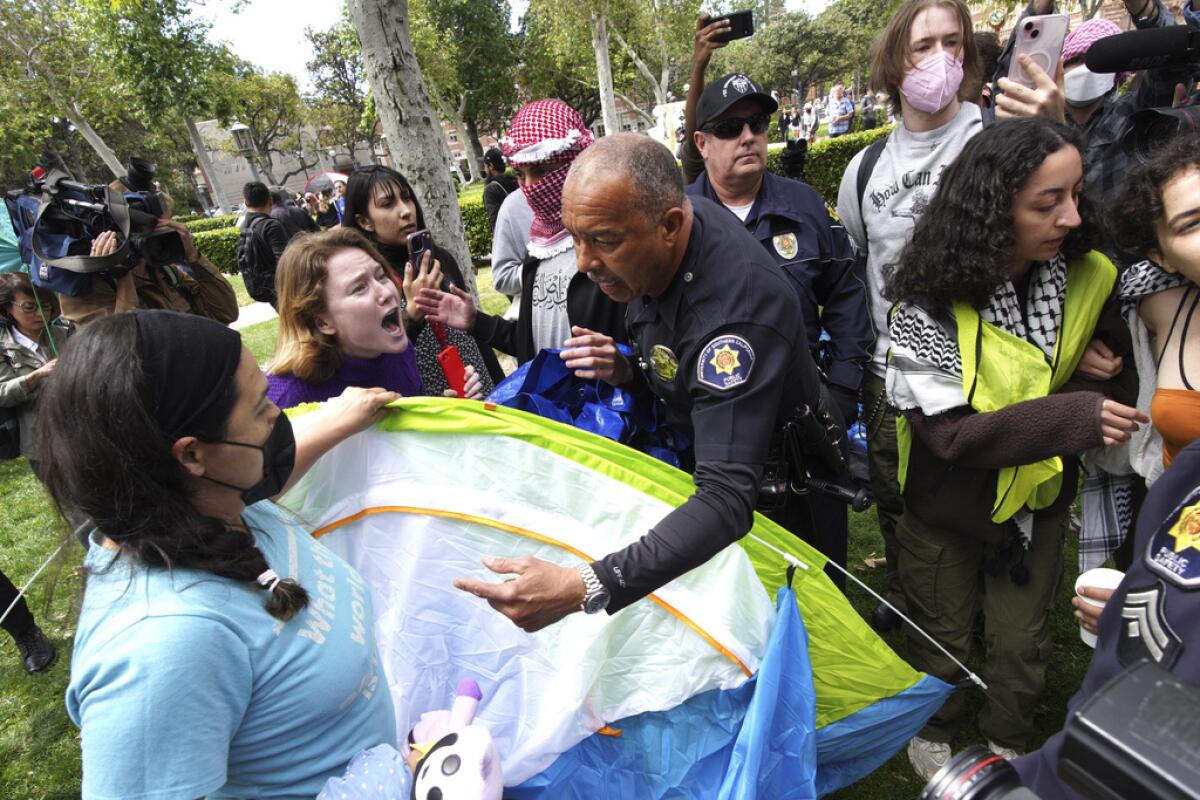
(221, 651)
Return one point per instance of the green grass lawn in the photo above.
(472, 192)
(239, 288)
(39, 747)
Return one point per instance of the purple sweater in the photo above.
(394, 371)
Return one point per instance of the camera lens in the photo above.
(1028, 26)
(1035, 34)
(975, 774)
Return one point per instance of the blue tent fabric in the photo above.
(755, 742)
(775, 755)
(545, 387)
(857, 745)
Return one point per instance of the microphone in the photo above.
(1175, 46)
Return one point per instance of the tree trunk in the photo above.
(89, 134)
(453, 115)
(608, 106)
(414, 135)
(474, 149)
(658, 86)
(206, 168)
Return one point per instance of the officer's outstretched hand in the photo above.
(594, 355)
(540, 595)
(455, 308)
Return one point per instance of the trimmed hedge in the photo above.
(828, 159)
(212, 223)
(479, 233)
(220, 247)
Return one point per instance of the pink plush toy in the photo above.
(460, 761)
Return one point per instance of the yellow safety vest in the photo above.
(1000, 369)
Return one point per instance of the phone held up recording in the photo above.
(741, 25)
(1041, 38)
(420, 243)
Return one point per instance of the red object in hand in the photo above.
(452, 367)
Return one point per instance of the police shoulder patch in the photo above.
(1174, 550)
(725, 362)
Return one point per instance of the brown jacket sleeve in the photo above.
(1022, 433)
(214, 297)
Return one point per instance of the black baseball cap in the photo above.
(722, 93)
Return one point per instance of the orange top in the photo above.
(1176, 415)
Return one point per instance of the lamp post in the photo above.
(795, 87)
(245, 145)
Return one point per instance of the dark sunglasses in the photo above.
(731, 128)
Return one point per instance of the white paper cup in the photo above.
(1100, 578)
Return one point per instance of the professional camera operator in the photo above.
(193, 286)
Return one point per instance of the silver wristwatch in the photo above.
(597, 597)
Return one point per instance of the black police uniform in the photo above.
(1151, 615)
(790, 220)
(724, 348)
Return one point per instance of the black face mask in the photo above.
(279, 457)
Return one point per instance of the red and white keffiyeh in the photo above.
(551, 133)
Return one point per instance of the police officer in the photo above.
(1151, 615)
(790, 220)
(719, 338)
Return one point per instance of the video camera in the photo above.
(1176, 46)
(1136, 737)
(57, 219)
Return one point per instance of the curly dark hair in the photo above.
(961, 246)
(1140, 205)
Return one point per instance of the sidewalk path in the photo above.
(252, 315)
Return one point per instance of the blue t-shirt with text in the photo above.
(184, 686)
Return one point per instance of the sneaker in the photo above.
(1007, 753)
(927, 757)
(37, 652)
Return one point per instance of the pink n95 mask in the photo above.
(933, 83)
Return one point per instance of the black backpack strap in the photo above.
(988, 114)
(866, 167)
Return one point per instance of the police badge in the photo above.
(664, 363)
(785, 245)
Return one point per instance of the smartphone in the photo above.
(1041, 38)
(452, 367)
(741, 25)
(419, 243)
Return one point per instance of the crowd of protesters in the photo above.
(1005, 299)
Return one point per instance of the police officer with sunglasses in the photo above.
(726, 161)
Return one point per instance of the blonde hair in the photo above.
(890, 52)
(302, 349)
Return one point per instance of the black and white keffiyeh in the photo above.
(1142, 279)
(925, 365)
(1043, 308)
